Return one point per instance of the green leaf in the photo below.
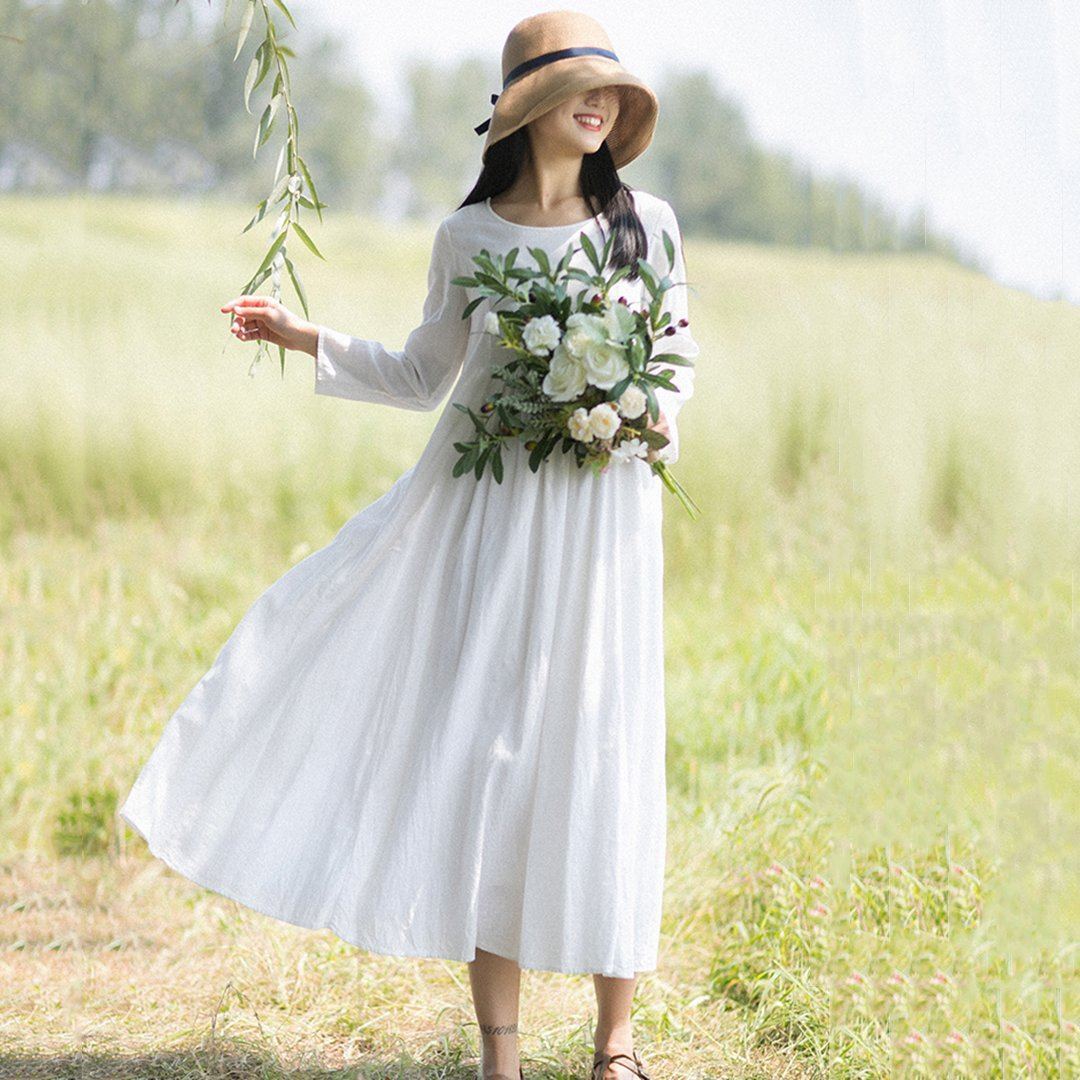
(274, 248)
(542, 260)
(279, 190)
(266, 121)
(281, 352)
(295, 276)
(245, 26)
(260, 213)
(616, 391)
(577, 274)
(311, 186)
(286, 12)
(669, 248)
(673, 358)
(255, 281)
(472, 306)
(590, 251)
(497, 464)
(481, 460)
(463, 464)
(654, 405)
(648, 276)
(307, 240)
(252, 73)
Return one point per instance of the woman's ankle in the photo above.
(499, 1054)
(618, 1040)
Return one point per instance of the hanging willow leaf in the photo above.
(295, 276)
(260, 213)
(275, 247)
(267, 121)
(307, 240)
(287, 13)
(310, 186)
(286, 193)
(245, 26)
(252, 74)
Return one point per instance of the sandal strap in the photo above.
(604, 1060)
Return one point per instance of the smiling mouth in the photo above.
(592, 121)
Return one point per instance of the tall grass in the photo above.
(872, 632)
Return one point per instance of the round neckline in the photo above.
(535, 228)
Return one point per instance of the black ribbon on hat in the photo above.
(540, 61)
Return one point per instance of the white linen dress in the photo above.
(445, 730)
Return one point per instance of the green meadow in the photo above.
(872, 663)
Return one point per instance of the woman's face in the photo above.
(580, 124)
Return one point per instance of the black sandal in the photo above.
(601, 1061)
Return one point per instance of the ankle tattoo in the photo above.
(501, 1029)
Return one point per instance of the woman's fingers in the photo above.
(267, 315)
(248, 301)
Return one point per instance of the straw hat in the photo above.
(554, 55)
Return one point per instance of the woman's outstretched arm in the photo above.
(417, 376)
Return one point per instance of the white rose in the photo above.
(579, 426)
(606, 365)
(603, 420)
(632, 401)
(491, 323)
(565, 379)
(541, 335)
(584, 332)
(586, 338)
(629, 449)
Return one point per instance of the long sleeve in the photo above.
(417, 376)
(681, 342)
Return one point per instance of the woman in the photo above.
(443, 734)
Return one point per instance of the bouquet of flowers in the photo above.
(582, 369)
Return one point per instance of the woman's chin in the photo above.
(587, 145)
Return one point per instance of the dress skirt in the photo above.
(444, 730)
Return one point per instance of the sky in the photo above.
(969, 107)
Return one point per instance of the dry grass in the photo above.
(119, 968)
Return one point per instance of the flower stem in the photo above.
(673, 485)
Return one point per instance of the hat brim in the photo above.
(541, 90)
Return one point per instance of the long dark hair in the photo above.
(603, 190)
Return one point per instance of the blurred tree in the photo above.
(144, 94)
(437, 148)
(144, 77)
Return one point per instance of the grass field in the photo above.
(873, 678)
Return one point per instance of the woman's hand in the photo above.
(262, 318)
(661, 425)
